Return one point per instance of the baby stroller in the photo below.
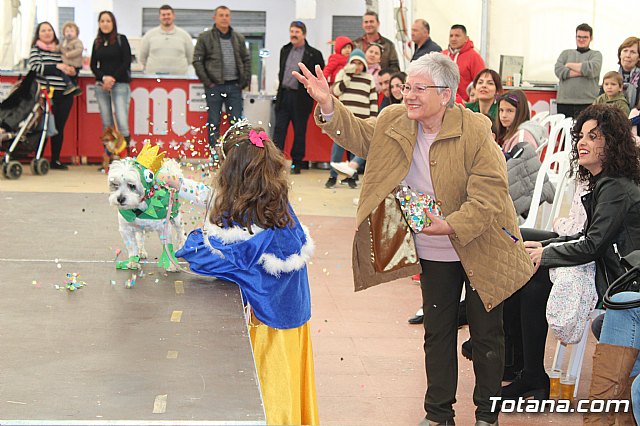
(24, 118)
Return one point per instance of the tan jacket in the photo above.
(470, 180)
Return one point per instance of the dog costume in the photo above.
(157, 197)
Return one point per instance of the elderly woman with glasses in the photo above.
(443, 150)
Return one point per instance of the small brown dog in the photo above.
(115, 147)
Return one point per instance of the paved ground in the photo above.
(369, 361)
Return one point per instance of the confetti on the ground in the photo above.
(131, 282)
(73, 282)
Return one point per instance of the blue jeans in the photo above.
(635, 399)
(337, 152)
(622, 327)
(120, 94)
(229, 94)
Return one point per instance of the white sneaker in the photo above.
(344, 168)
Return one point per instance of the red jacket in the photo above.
(336, 61)
(469, 63)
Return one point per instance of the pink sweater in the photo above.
(429, 247)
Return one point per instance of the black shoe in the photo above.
(330, 183)
(57, 165)
(417, 319)
(467, 350)
(349, 181)
(526, 386)
(295, 170)
(72, 90)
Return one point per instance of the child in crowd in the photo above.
(471, 92)
(612, 85)
(252, 237)
(71, 86)
(342, 48)
(71, 47)
(519, 138)
(357, 91)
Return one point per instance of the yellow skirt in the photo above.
(284, 360)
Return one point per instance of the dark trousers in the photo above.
(228, 94)
(441, 284)
(571, 110)
(61, 107)
(289, 111)
(530, 305)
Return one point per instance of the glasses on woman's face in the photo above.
(418, 88)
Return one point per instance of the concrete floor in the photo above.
(369, 360)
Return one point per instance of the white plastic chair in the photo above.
(551, 120)
(559, 135)
(556, 167)
(574, 368)
(540, 116)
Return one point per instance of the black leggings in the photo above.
(61, 108)
(526, 309)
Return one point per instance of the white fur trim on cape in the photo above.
(230, 235)
(275, 266)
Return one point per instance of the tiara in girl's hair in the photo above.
(235, 129)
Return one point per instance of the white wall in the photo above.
(538, 30)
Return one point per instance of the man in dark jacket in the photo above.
(420, 37)
(370, 25)
(293, 103)
(223, 65)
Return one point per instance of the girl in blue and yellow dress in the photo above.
(252, 237)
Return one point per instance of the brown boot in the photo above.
(612, 366)
(626, 419)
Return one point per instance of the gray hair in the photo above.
(439, 68)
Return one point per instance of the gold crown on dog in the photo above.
(149, 157)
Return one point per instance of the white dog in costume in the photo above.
(143, 205)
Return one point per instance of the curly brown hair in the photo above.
(251, 187)
(621, 153)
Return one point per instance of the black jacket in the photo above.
(612, 230)
(207, 58)
(310, 58)
(427, 47)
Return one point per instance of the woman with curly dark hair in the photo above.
(608, 160)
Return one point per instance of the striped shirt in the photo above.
(229, 68)
(44, 64)
(358, 93)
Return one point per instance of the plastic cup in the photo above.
(516, 79)
(567, 386)
(554, 383)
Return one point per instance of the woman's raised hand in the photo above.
(317, 87)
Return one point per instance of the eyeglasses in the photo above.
(418, 88)
(582, 37)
